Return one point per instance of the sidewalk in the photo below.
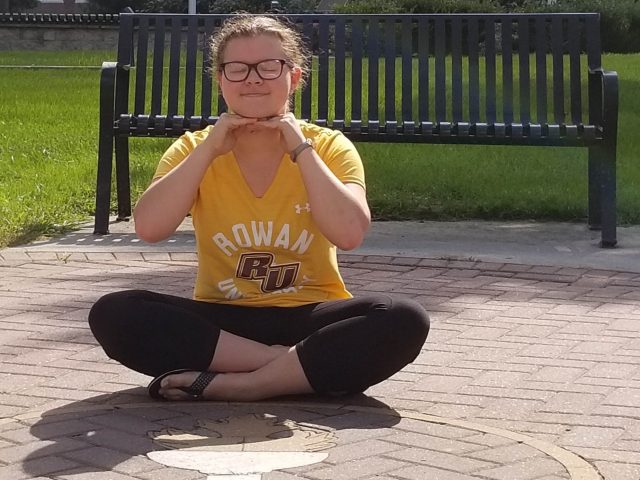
(531, 370)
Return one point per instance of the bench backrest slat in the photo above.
(558, 68)
(390, 70)
(423, 69)
(323, 70)
(507, 70)
(456, 69)
(158, 67)
(141, 66)
(524, 70)
(207, 66)
(441, 70)
(190, 73)
(407, 71)
(308, 32)
(490, 59)
(339, 75)
(474, 69)
(594, 59)
(125, 49)
(594, 47)
(373, 61)
(356, 68)
(574, 35)
(174, 66)
(541, 70)
(221, 105)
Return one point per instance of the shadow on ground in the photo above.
(116, 432)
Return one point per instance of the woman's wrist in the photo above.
(307, 143)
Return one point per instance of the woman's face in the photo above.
(255, 97)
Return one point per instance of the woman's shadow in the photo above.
(123, 431)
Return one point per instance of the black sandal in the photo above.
(195, 389)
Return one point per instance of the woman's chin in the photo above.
(256, 113)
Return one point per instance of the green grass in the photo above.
(48, 144)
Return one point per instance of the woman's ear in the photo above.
(296, 75)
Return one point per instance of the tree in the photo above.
(203, 6)
(113, 6)
(17, 5)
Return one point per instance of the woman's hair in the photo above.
(246, 25)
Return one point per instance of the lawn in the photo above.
(48, 143)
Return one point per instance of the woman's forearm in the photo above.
(163, 206)
(340, 211)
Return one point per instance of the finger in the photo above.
(240, 121)
(270, 123)
(235, 119)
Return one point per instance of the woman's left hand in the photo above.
(339, 210)
(291, 135)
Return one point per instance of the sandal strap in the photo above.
(198, 386)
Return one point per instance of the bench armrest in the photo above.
(108, 75)
(604, 94)
(107, 92)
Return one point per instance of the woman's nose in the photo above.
(253, 76)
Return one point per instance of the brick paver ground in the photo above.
(526, 369)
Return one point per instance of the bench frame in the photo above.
(437, 46)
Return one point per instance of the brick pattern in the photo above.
(550, 352)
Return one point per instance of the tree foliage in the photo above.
(619, 19)
(17, 5)
(203, 6)
(113, 6)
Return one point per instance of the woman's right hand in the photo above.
(222, 137)
(163, 206)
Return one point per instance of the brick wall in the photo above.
(58, 37)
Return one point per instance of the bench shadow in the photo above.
(118, 431)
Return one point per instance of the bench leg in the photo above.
(123, 186)
(595, 197)
(602, 194)
(103, 187)
(105, 148)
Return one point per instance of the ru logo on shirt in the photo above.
(302, 208)
(260, 266)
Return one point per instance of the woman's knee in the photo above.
(412, 316)
(407, 326)
(401, 313)
(108, 313)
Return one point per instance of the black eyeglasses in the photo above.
(269, 69)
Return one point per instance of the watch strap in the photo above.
(308, 143)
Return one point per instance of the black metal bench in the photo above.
(480, 79)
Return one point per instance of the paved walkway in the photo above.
(531, 371)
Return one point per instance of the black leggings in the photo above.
(343, 345)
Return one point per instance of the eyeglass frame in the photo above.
(254, 67)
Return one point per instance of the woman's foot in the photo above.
(190, 385)
(184, 385)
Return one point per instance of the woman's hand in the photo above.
(163, 206)
(287, 124)
(223, 136)
(339, 210)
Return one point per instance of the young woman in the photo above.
(271, 198)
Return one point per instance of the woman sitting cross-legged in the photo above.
(272, 198)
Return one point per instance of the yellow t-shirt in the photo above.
(264, 251)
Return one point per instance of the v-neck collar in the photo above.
(245, 185)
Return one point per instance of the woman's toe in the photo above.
(171, 387)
